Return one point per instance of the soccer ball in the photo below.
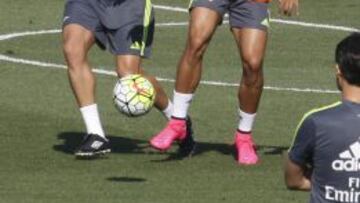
(134, 95)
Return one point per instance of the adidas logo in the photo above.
(349, 159)
(135, 45)
(266, 22)
(96, 144)
(66, 18)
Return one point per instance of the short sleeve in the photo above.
(302, 149)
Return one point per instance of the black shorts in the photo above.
(125, 27)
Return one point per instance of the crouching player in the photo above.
(325, 155)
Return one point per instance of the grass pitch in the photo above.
(40, 125)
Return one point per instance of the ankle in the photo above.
(177, 120)
(243, 136)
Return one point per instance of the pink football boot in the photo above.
(175, 130)
(245, 148)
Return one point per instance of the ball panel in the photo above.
(134, 95)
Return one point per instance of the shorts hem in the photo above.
(87, 27)
(134, 53)
(262, 28)
(221, 13)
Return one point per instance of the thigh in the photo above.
(251, 44)
(128, 64)
(202, 25)
(249, 14)
(220, 6)
(77, 39)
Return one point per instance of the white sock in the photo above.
(246, 121)
(181, 104)
(168, 110)
(91, 118)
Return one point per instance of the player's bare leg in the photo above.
(251, 44)
(131, 64)
(203, 23)
(77, 41)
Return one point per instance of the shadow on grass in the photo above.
(125, 145)
(126, 179)
(271, 150)
(71, 140)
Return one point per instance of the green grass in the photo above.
(40, 125)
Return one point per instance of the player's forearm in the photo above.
(306, 184)
(297, 177)
(302, 183)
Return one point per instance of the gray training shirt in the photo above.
(328, 139)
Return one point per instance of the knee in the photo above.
(196, 47)
(252, 66)
(128, 64)
(70, 49)
(253, 72)
(75, 54)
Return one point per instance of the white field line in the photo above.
(171, 8)
(204, 82)
(315, 25)
(27, 33)
(275, 20)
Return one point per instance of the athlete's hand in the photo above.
(289, 7)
